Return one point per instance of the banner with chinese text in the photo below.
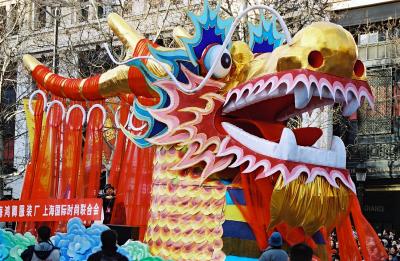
(50, 209)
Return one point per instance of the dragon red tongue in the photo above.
(273, 131)
(307, 136)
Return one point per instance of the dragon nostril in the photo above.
(359, 68)
(315, 59)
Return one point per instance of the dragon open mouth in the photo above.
(255, 115)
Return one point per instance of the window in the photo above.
(382, 36)
(84, 12)
(372, 38)
(363, 39)
(7, 124)
(13, 23)
(55, 13)
(40, 16)
(3, 19)
(379, 120)
(100, 11)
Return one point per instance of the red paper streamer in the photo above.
(89, 173)
(119, 147)
(371, 246)
(47, 162)
(30, 168)
(72, 149)
(132, 201)
(348, 249)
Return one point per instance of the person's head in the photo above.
(393, 250)
(275, 240)
(384, 242)
(109, 239)
(301, 252)
(108, 190)
(44, 233)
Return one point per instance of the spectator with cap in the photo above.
(274, 252)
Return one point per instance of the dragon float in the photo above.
(227, 170)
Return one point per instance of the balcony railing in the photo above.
(379, 51)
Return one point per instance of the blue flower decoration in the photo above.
(79, 242)
(4, 252)
(12, 245)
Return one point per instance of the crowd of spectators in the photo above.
(389, 240)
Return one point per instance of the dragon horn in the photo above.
(129, 37)
(118, 81)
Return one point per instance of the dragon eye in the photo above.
(224, 64)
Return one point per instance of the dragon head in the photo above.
(239, 117)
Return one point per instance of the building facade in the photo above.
(373, 137)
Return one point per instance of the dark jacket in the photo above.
(107, 255)
(274, 254)
(108, 204)
(41, 251)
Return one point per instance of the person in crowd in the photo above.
(393, 252)
(274, 252)
(108, 202)
(389, 239)
(44, 249)
(301, 252)
(108, 250)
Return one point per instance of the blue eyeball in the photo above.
(224, 64)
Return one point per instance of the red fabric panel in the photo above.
(118, 213)
(257, 210)
(30, 169)
(325, 234)
(138, 194)
(132, 201)
(371, 246)
(89, 175)
(72, 149)
(44, 183)
(119, 148)
(348, 249)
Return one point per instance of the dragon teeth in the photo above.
(266, 168)
(305, 88)
(301, 96)
(287, 149)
